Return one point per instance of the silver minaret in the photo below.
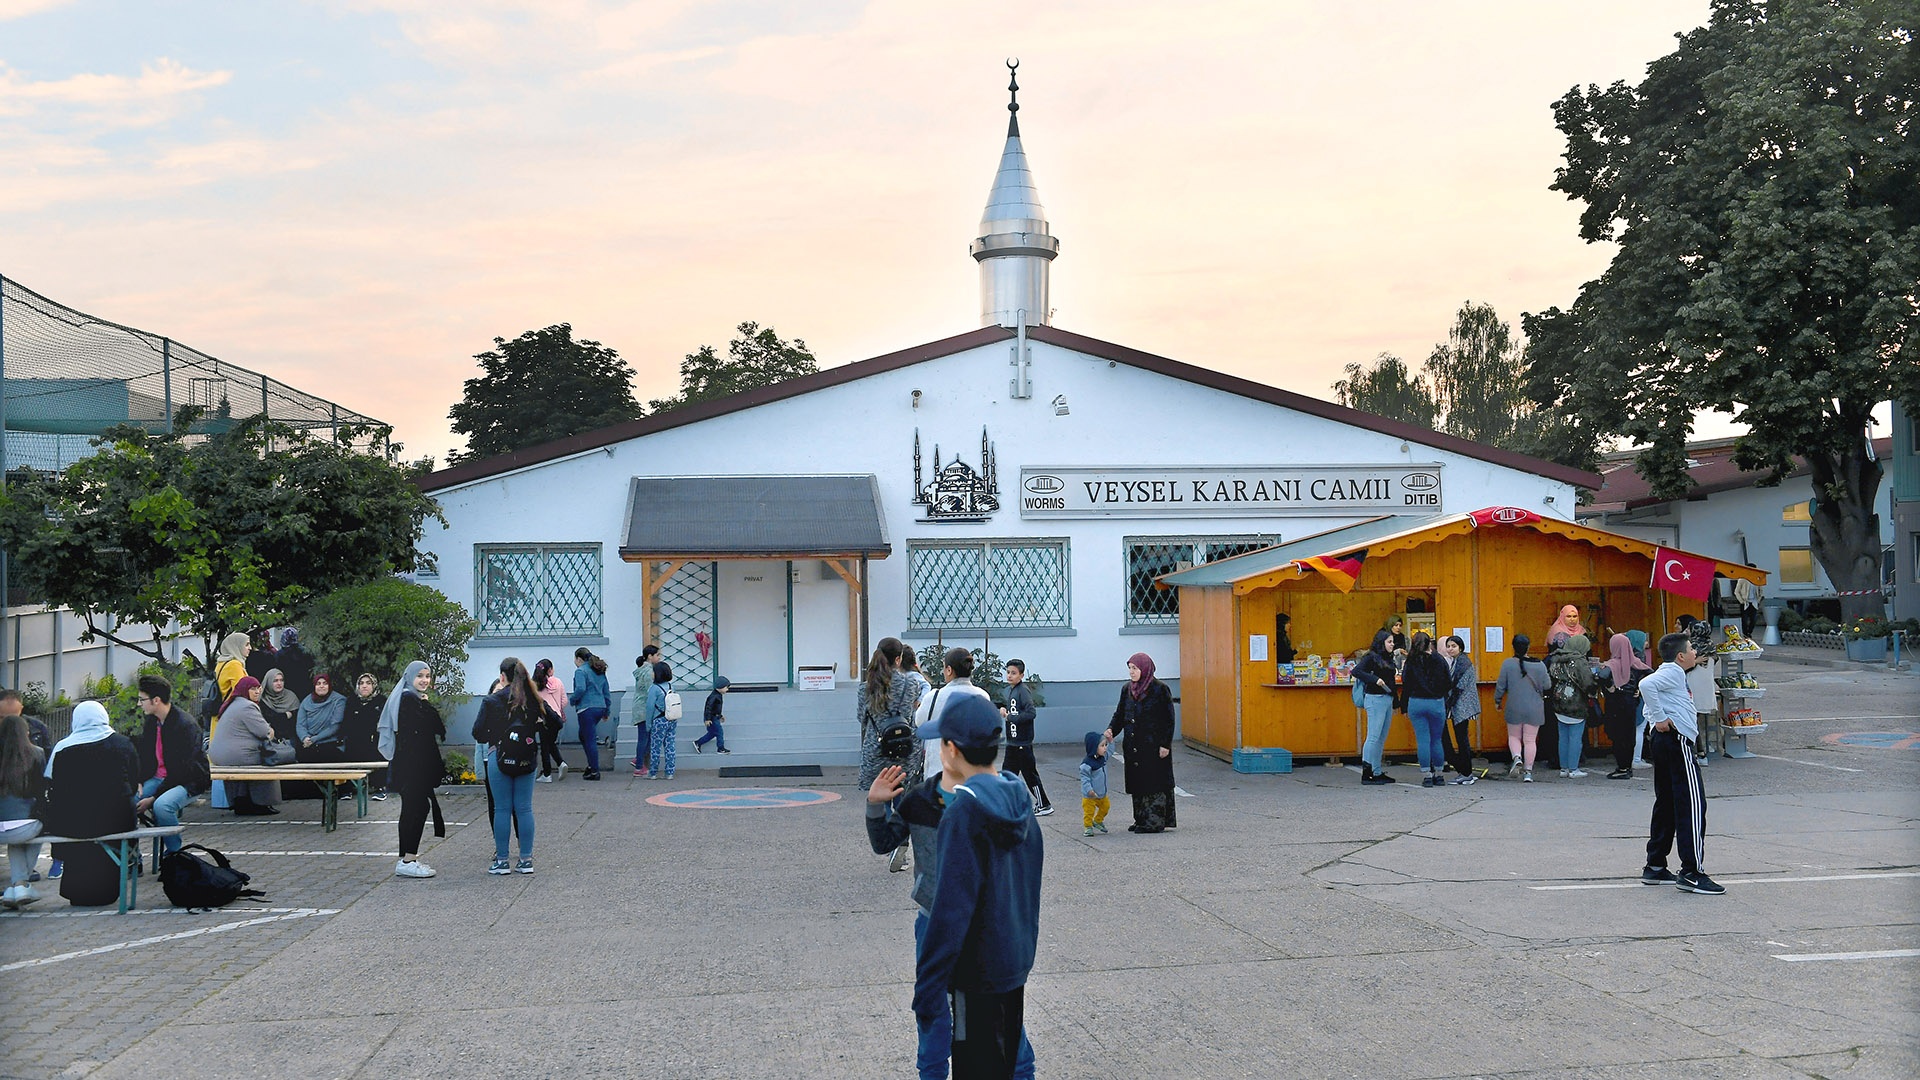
(1015, 246)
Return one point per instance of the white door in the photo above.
(753, 622)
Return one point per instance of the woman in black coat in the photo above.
(1145, 716)
(360, 731)
(411, 731)
(92, 779)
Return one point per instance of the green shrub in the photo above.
(457, 767)
(989, 674)
(384, 625)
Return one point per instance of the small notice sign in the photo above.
(816, 677)
(1256, 648)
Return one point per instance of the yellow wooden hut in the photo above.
(1487, 575)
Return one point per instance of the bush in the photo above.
(1867, 628)
(457, 768)
(122, 700)
(384, 625)
(35, 701)
(989, 674)
(1791, 621)
(1820, 624)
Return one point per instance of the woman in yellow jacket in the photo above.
(230, 663)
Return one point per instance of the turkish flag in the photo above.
(1682, 574)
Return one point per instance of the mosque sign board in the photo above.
(1229, 491)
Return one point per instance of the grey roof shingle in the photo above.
(755, 517)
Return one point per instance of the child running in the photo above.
(1094, 803)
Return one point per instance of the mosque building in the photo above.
(1016, 488)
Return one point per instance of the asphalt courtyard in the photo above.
(1294, 925)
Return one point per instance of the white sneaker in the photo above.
(545, 779)
(1642, 764)
(900, 861)
(561, 772)
(1563, 774)
(1576, 774)
(415, 868)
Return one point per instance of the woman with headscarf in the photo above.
(230, 663)
(1620, 703)
(1564, 627)
(278, 704)
(92, 778)
(1522, 692)
(360, 730)
(552, 765)
(1396, 630)
(320, 725)
(1638, 639)
(1145, 716)
(1378, 679)
(411, 731)
(240, 738)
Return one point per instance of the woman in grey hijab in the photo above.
(411, 731)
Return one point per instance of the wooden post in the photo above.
(866, 613)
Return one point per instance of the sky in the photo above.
(356, 196)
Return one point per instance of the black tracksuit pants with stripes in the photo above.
(1679, 802)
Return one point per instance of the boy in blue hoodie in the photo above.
(1094, 803)
(983, 926)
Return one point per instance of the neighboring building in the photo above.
(1903, 480)
(1017, 485)
(1728, 515)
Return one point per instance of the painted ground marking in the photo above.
(1876, 740)
(302, 913)
(1731, 881)
(744, 798)
(1877, 954)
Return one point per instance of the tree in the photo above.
(1762, 185)
(383, 625)
(1388, 388)
(222, 533)
(541, 386)
(754, 359)
(1478, 378)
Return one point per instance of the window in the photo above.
(1150, 556)
(1916, 556)
(1800, 513)
(537, 590)
(990, 584)
(1796, 566)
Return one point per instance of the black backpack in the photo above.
(193, 882)
(518, 751)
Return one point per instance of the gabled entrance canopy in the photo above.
(675, 520)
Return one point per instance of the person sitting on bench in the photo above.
(91, 780)
(173, 761)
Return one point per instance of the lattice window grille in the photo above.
(993, 584)
(538, 590)
(689, 615)
(1150, 557)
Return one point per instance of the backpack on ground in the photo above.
(193, 882)
(672, 709)
(518, 751)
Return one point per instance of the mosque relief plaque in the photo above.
(957, 492)
(1229, 491)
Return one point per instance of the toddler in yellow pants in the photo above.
(1093, 783)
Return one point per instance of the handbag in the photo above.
(279, 752)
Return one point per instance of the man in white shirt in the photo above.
(1679, 798)
(957, 669)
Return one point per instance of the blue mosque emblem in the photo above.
(957, 491)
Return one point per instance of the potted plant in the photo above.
(1867, 638)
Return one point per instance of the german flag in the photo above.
(1342, 570)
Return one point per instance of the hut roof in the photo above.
(1385, 535)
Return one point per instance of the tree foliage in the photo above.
(224, 533)
(541, 386)
(381, 626)
(1388, 388)
(757, 357)
(1762, 185)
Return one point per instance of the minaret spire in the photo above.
(1015, 245)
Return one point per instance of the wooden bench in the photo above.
(329, 776)
(124, 849)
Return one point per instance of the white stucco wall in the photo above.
(1119, 415)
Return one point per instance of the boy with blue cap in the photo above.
(983, 926)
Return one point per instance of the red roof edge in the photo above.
(469, 471)
(1327, 410)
